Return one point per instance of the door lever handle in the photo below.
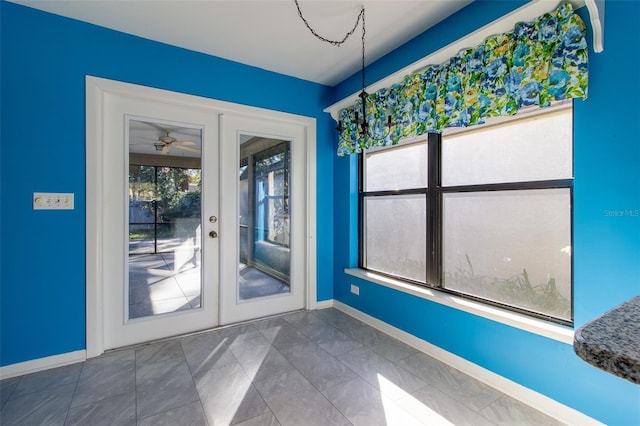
(213, 234)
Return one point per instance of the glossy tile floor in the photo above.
(305, 368)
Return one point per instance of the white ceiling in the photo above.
(267, 34)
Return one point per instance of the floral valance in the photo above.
(538, 62)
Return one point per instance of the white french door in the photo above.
(246, 252)
(263, 174)
(171, 288)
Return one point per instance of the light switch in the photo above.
(53, 201)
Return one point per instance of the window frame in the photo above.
(363, 195)
(435, 193)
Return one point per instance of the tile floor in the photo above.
(305, 368)
(252, 282)
(162, 283)
(168, 282)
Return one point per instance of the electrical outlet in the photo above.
(52, 201)
(355, 289)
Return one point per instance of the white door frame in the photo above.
(96, 174)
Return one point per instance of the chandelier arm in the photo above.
(333, 42)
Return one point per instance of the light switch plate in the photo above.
(53, 201)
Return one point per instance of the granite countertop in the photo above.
(611, 342)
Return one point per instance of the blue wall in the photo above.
(44, 62)
(606, 246)
(42, 277)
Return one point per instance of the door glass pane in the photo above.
(264, 217)
(512, 247)
(164, 218)
(396, 235)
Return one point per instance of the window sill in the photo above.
(533, 325)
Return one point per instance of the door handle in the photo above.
(213, 234)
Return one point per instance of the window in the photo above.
(394, 207)
(271, 174)
(264, 171)
(164, 207)
(482, 212)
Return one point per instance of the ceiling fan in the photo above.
(165, 142)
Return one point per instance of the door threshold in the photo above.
(195, 333)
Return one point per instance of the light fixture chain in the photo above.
(364, 128)
(363, 33)
(333, 42)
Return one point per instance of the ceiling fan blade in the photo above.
(184, 143)
(144, 138)
(187, 148)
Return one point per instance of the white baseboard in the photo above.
(40, 364)
(323, 304)
(527, 396)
